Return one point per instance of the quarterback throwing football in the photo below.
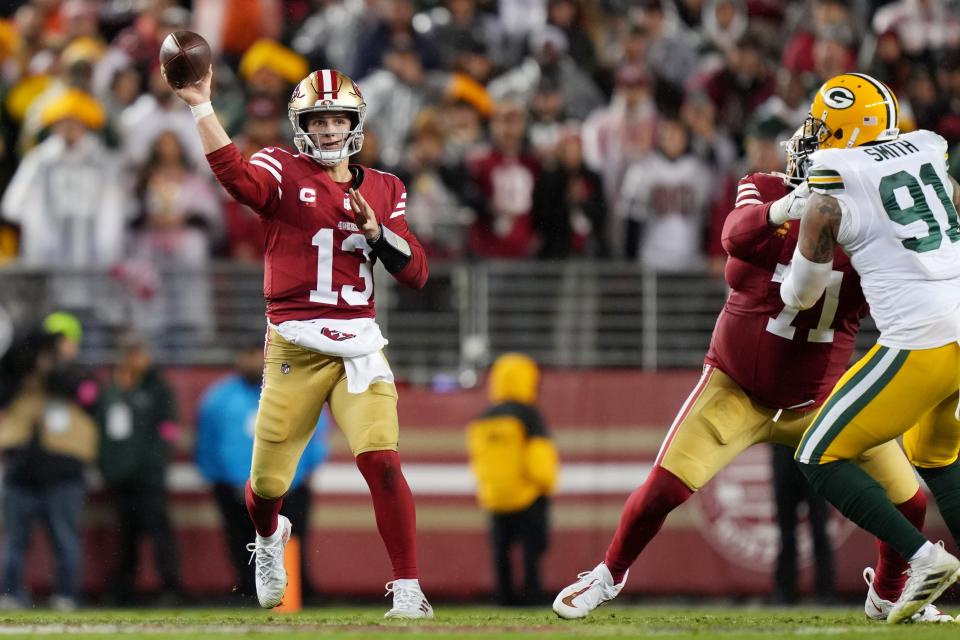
(326, 222)
(743, 397)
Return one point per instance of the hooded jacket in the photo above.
(511, 454)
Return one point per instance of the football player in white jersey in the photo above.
(887, 200)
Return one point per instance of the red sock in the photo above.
(393, 508)
(643, 515)
(890, 576)
(263, 511)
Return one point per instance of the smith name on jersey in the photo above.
(784, 358)
(317, 263)
(902, 233)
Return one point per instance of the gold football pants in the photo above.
(296, 384)
(719, 421)
(887, 393)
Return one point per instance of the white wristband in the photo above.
(805, 281)
(201, 110)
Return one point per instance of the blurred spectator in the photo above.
(710, 143)
(66, 194)
(827, 18)
(328, 37)
(25, 40)
(475, 61)
(463, 130)
(924, 26)
(179, 220)
(791, 102)
(232, 26)
(123, 91)
(467, 31)
(549, 58)
(137, 45)
(516, 467)
(724, 22)
(395, 95)
(671, 54)
(74, 70)
(547, 118)
(394, 23)
(154, 113)
(888, 62)
(832, 55)
(521, 17)
(948, 80)
(569, 210)
(791, 490)
(47, 437)
(225, 421)
(503, 179)
(621, 133)
(924, 99)
(435, 210)
(744, 83)
(664, 200)
(138, 421)
(270, 70)
(569, 16)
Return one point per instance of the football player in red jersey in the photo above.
(326, 221)
(741, 398)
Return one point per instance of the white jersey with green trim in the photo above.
(902, 233)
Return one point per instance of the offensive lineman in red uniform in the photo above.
(326, 222)
(742, 398)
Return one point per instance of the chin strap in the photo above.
(392, 250)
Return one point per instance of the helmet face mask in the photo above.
(327, 91)
(851, 110)
(798, 148)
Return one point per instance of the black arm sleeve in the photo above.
(392, 250)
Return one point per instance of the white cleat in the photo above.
(271, 577)
(591, 589)
(876, 608)
(929, 577)
(409, 603)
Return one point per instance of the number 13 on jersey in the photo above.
(325, 293)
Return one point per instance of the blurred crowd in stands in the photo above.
(522, 128)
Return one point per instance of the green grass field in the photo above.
(462, 622)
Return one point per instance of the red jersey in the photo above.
(317, 262)
(781, 357)
(506, 183)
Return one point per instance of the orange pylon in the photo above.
(293, 598)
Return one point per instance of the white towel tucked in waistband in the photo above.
(358, 341)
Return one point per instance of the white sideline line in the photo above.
(221, 629)
(445, 479)
(154, 629)
(450, 479)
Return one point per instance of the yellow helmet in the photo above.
(331, 91)
(853, 109)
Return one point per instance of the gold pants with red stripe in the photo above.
(296, 384)
(887, 393)
(719, 421)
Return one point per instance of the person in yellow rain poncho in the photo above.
(516, 467)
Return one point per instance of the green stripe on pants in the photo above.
(831, 424)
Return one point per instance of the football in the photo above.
(185, 57)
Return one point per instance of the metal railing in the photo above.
(562, 313)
